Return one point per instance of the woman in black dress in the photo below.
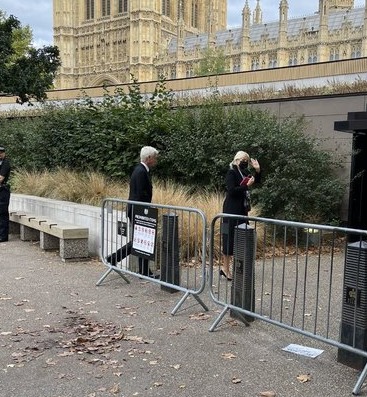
(238, 181)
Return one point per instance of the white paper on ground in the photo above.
(303, 350)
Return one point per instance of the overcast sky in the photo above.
(38, 13)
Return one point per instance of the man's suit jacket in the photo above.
(141, 188)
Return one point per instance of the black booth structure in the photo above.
(353, 331)
(170, 257)
(243, 283)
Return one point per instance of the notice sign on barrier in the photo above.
(145, 223)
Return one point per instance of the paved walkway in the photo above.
(61, 336)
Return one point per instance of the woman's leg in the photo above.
(225, 266)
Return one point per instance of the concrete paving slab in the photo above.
(61, 336)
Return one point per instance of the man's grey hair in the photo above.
(148, 151)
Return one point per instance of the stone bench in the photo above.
(70, 240)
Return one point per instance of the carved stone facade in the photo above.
(108, 41)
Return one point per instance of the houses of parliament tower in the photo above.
(107, 41)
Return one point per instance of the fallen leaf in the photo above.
(267, 394)
(228, 356)
(157, 384)
(65, 354)
(174, 333)
(304, 378)
(115, 389)
(236, 380)
(199, 316)
(16, 355)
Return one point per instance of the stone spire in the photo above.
(283, 12)
(246, 21)
(283, 37)
(258, 15)
(322, 50)
(246, 16)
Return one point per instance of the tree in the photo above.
(25, 72)
(212, 62)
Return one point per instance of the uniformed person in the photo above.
(4, 195)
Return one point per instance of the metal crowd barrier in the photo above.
(306, 278)
(168, 242)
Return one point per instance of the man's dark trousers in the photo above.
(124, 252)
(4, 213)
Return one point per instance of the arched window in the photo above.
(334, 54)
(292, 60)
(356, 52)
(312, 56)
(123, 6)
(166, 8)
(194, 14)
(236, 65)
(106, 8)
(173, 72)
(255, 63)
(181, 9)
(89, 8)
(273, 62)
(190, 70)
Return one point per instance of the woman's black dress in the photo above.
(234, 204)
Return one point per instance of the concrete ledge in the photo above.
(71, 240)
(85, 216)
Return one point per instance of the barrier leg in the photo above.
(205, 307)
(182, 300)
(219, 319)
(108, 271)
(361, 379)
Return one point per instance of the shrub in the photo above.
(196, 145)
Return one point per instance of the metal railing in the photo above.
(306, 278)
(158, 243)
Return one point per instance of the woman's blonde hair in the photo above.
(241, 155)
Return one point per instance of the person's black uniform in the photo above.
(4, 195)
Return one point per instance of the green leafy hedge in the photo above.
(196, 145)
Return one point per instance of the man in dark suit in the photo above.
(141, 189)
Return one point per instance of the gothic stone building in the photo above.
(108, 41)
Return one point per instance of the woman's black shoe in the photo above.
(224, 275)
